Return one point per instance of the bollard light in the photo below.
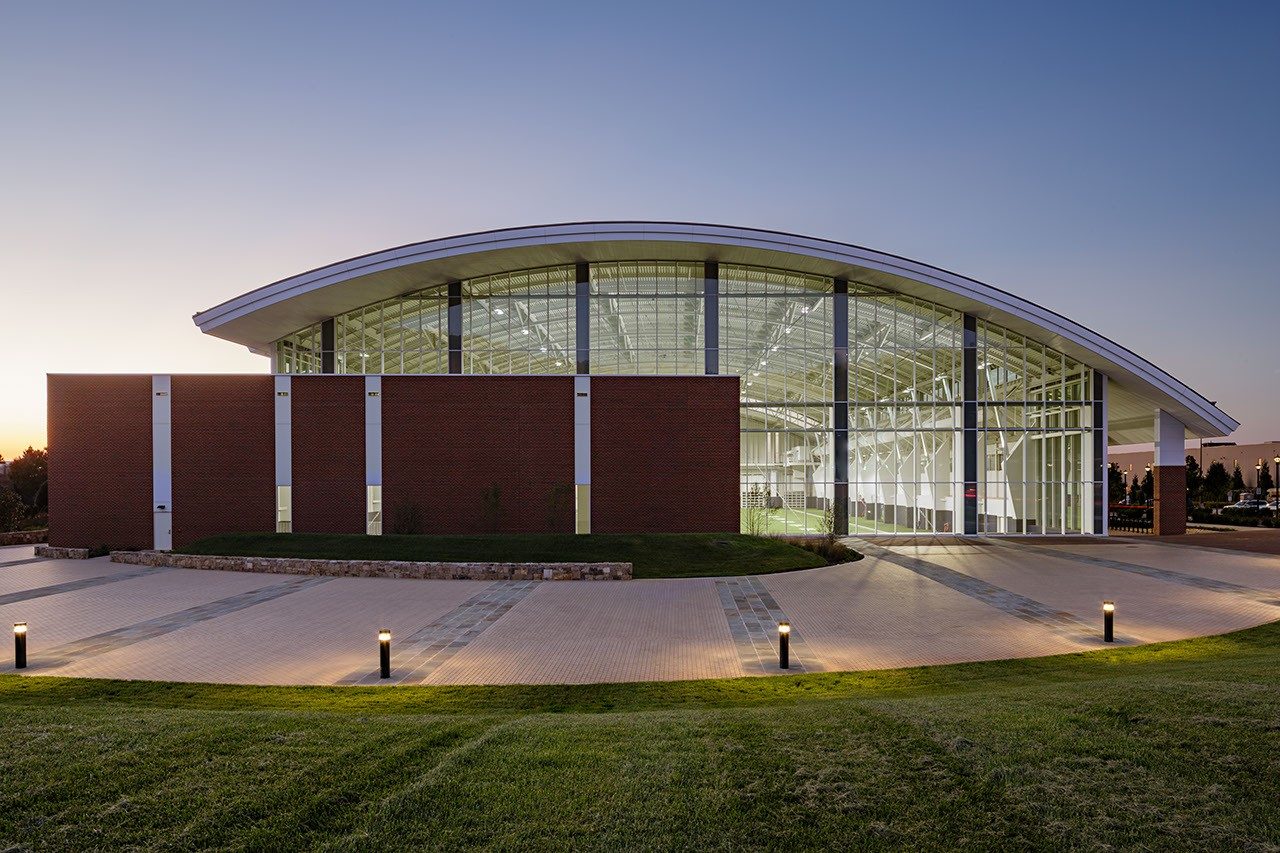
(384, 652)
(19, 645)
(784, 645)
(1108, 621)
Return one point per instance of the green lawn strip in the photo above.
(658, 555)
(1168, 746)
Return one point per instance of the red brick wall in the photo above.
(328, 454)
(224, 456)
(447, 439)
(1170, 505)
(664, 454)
(100, 461)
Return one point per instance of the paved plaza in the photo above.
(908, 603)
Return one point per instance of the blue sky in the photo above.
(1115, 162)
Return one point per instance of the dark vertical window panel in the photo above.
(455, 327)
(970, 407)
(582, 318)
(1100, 491)
(327, 346)
(840, 452)
(711, 317)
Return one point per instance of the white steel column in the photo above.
(284, 455)
(373, 454)
(582, 453)
(162, 463)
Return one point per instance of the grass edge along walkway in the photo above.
(936, 680)
(652, 555)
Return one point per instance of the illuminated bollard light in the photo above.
(1108, 621)
(384, 652)
(784, 645)
(19, 645)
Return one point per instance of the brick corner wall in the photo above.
(664, 454)
(99, 461)
(1170, 510)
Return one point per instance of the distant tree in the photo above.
(1237, 479)
(29, 474)
(1115, 484)
(1195, 481)
(12, 509)
(1264, 477)
(1135, 492)
(1148, 486)
(1216, 482)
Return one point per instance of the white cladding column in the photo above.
(582, 453)
(1171, 440)
(284, 455)
(373, 454)
(162, 462)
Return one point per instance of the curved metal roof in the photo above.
(1137, 387)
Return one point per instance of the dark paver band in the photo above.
(72, 586)
(1166, 575)
(109, 641)
(753, 616)
(23, 561)
(417, 656)
(1005, 600)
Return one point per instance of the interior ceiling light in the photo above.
(524, 331)
(498, 311)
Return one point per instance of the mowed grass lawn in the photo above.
(654, 555)
(1173, 746)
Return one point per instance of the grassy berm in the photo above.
(652, 555)
(1166, 747)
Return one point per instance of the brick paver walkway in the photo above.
(909, 602)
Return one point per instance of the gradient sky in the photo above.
(1116, 162)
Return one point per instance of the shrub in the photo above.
(832, 550)
(12, 510)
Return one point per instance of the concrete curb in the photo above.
(381, 568)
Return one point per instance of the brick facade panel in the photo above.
(100, 461)
(224, 452)
(664, 454)
(327, 413)
(447, 440)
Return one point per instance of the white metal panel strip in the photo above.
(373, 430)
(162, 462)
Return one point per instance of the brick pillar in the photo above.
(1170, 510)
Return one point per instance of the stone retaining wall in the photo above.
(24, 537)
(54, 553)
(382, 568)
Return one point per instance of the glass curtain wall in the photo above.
(777, 332)
(407, 334)
(647, 318)
(519, 323)
(904, 414)
(1035, 442)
